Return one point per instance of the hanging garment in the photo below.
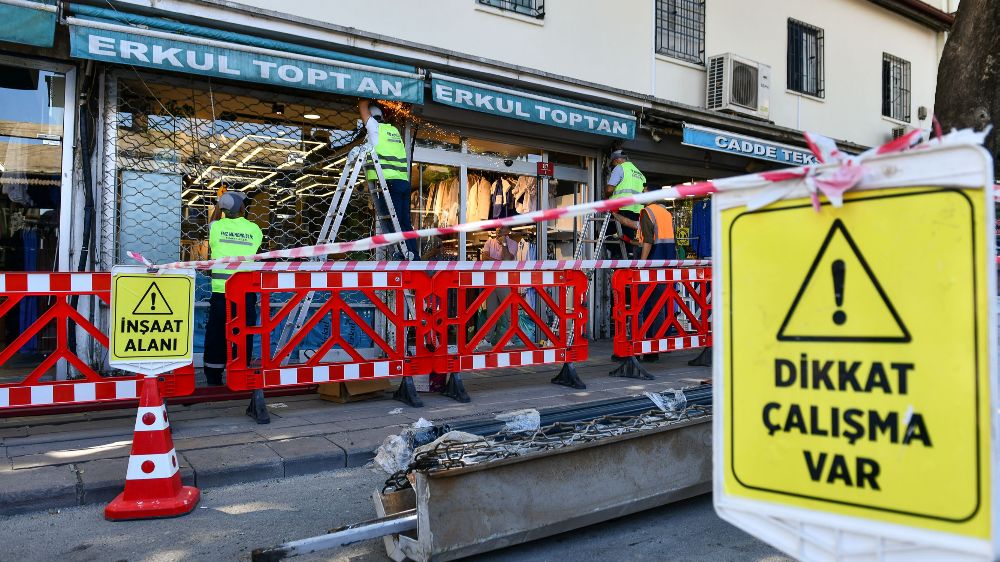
(526, 252)
(29, 305)
(525, 195)
(701, 228)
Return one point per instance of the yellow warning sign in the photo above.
(151, 317)
(855, 352)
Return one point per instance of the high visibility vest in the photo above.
(391, 155)
(632, 183)
(231, 237)
(663, 224)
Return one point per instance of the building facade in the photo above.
(122, 120)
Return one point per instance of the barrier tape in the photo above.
(831, 180)
(457, 265)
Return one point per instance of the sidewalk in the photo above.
(73, 459)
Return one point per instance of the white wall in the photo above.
(856, 33)
(591, 40)
(612, 44)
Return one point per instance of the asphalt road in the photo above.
(230, 522)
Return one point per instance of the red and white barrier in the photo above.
(39, 386)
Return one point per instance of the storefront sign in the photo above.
(29, 22)
(721, 141)
(152, 327)
(856, 366)
(205, 57)
(526, 106)
(545, 169)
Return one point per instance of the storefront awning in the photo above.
(114, 42)
(742, 145)
(29, 22)
(527, 106)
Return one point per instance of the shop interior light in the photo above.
(280, 201)
(312, 116)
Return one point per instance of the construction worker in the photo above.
(656, 235)
(626, 180)
(391, 152)
(230, 235)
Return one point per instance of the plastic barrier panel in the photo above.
(38, 367)
(658, 310)
(502, 319)
(319, 348)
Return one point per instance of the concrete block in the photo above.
(276, 434)
(222, 466)
(36, 489)
(308, 455)
(211, 441)
(360, 445)
(57, 456)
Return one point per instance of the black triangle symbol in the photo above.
(150, 309)
(903, 337)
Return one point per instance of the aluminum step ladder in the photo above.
(353, 165)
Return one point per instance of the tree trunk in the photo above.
(967, 94)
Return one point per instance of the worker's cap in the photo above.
(232, 201)
(618, 155)
(375, 111)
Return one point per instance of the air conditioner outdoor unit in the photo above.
(738, 85)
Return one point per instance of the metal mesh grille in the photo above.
(895, 87)
(716, 76)
(805, 58)
(531, 8)
(680, 29)
(744, 92)
(172, 144)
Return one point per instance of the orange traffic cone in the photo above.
(153, 482)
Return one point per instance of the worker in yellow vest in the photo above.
(656, 235)
(391, 152)
(231, 235)
(626, 180)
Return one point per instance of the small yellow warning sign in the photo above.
(151, 317)
(855, 354)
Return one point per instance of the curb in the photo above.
(99, 481)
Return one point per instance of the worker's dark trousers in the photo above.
(399, 192)
(215, 335)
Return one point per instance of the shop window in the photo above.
(805, 59)
(680, 29)
(32, 112)
(895, 88)
(530, 8)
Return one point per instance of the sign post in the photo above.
(856, 365)
(152, 319)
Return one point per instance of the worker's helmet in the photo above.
(232, 201)
(619, 155)
(375, 112)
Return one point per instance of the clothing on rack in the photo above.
(701, 228)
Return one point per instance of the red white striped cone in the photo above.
(153, 482)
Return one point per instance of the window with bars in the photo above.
(895, 88)
(680, 29)
(805, 59)
(530, 8)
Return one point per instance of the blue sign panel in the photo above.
(27, 24)
(741, 145)
(236, 62)
(525, 106)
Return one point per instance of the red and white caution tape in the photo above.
(457, 265)
(832, 182)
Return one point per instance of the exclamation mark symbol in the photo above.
(839, 270)
(152, 304)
